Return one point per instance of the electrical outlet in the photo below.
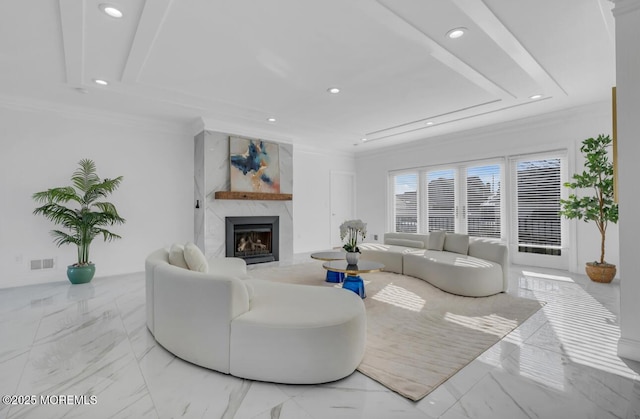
(375, 237)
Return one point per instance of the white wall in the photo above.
(311, 196)
(627, 15)
(561, 130)
(40, 150)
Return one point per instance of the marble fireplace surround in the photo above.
(211, 174)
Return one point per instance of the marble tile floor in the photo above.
(59, 339)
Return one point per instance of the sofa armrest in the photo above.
(494, 252)
(193, 313)
(227, 266)
(156, 258)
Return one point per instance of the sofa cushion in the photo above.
(436, 240)
(387, 254)
(195, 258)
(293, 331)
(457, 243)
(405, 242)
(455, 273)
(176, 256)
(250, 290)
(407, 236)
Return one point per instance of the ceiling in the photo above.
(235, 63)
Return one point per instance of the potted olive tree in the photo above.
(83, 223)
(598, 206)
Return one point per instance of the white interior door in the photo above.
(343, 197)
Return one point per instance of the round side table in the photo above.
(332, 276)
(353, 281)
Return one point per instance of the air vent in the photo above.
(37, 264)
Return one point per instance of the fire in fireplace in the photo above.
(254, 239)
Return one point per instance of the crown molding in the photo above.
(197, 126)
(309, 149)
(116, 118)
(241, 129)
(596, 109)
(623, 7)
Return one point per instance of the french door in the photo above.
(519, 204)
(464, 198)
(539, 232)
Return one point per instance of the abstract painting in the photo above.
(255, 166)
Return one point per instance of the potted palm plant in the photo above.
(84, 223)
(598, 207)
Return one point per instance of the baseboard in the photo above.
(629, 348)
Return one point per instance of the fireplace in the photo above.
(254, 239)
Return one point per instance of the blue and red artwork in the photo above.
(255, 165)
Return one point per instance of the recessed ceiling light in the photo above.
(333, 90)
(111, 10)
(429, 123)
(456, 33)
(100, 82)
(363, 140)
(271, 120)
(538, 96)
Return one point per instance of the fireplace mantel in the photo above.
(255, 196)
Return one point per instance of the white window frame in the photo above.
(391, 208)
(460, 194)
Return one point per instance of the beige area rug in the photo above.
(417, 335)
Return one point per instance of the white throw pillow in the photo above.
(176, 256)
(457, 243)
(405, 242)
(195, 258)
(436, 240)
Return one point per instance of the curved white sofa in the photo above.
(451, 262)
(249, 328)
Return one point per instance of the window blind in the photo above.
(441, 207)
(405, 192)
(483, 208)
(539, 184)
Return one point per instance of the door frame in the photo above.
(333, 198)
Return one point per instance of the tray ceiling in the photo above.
(236, 63)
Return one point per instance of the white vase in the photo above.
(352, 258)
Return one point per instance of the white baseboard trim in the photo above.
(629, 348)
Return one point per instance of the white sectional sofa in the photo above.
(452, 262)
(260, 330)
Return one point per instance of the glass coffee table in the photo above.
(353, 281)
(332, 276)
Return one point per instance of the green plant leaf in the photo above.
(597, 177)
(87, 221)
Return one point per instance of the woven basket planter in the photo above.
(604, 272)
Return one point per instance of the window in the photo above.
(405, 202)
(538, 191)
(434, 199)
(441, 202)
(484, 203)
(519, 206)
